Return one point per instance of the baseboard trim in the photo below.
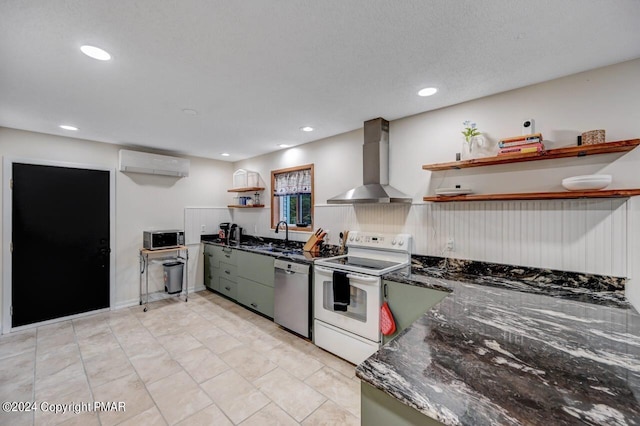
(153, 297)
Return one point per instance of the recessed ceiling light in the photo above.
(306, 129)
(284, 145)
(225, 154)
(427, 91)
(190, 111)
(95, 53)
(67, 127)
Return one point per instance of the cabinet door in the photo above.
(381, 409)
(215, 279)
(228, 288)
(256, 267)
(224, 254)
(209, 268)
(256, 296)
(408, 302)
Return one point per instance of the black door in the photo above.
(60, 236)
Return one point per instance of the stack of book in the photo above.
(521, 144)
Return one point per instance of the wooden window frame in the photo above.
(275, 205)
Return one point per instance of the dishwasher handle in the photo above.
(291, 268)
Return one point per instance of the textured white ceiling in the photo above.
(258, 70)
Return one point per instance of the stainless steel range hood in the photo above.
(375, 154)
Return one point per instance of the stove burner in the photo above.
(362, 262)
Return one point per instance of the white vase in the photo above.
(478, 147)
(465, 151)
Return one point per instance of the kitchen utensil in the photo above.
(387, 324)
(586, 182)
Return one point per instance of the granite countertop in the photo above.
(261, 246)
(487, 355)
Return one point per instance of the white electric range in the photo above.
(348, 293)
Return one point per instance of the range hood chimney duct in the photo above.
(375, 170)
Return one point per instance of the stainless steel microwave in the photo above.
(156, 240)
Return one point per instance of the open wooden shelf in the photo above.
(563, 195)
(572, 151)
(238, 206)
(249, 189)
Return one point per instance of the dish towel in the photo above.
(341, 291)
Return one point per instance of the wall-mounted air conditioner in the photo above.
(154, 164)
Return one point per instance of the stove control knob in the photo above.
(393, 243)
(357, 238)
(401, 242)
(351, 238)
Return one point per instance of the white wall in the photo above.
(585, 235)
(142, 201)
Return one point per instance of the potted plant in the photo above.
(475, 145)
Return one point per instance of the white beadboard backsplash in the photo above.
(195, 218)
(588, 235)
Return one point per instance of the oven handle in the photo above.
(364, 279)
(373, 280)
(326, 270)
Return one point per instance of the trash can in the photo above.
(173, 277)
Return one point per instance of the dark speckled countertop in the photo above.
(487, 355)
(260, 246)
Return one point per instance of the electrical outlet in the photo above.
(450, 246)
(202, 229)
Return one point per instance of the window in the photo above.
(292, 197)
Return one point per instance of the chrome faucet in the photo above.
(286, 228)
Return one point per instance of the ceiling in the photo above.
(256, 71)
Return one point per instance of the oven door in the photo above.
(362, 316)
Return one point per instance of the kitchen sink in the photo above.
(275, 249)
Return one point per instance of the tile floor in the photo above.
(204, 362)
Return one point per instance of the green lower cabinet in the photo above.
(228, 288)
(211, 273)
(408, 302)
(381, 409)
(255, 296)
(208, 265)
(256, 267)
(214, 279)
(247, 278)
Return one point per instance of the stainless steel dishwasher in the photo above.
(292, 296)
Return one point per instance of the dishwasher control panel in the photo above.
(293, 267)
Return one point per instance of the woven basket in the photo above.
(592, 137)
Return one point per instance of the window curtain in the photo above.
(292, 183)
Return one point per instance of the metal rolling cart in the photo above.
(181, 253)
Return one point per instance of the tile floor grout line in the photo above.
(134, 368)
(200, 384)
(84, 368)
(195, 381)
(138, 374)
(222, 372)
